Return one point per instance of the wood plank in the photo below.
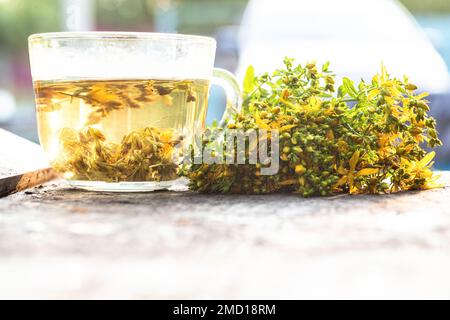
(57, 242)
(22, 164)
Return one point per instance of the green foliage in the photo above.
(20, 18)
(429, 6)
(327, 145)
(125, 14)
(249, 80)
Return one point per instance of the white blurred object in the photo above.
(7, 105)
(355, 35)
(78, 15)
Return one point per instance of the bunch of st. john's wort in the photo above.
(364, 139)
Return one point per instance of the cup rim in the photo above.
(121, 35)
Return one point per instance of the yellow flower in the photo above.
(348, 176)
(422, 170)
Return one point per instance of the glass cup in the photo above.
(115, 110)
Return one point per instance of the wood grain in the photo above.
(22, 164)
(56, 242)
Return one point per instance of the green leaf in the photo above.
(326, 66)
(350, 87)
(342, 92)
(361, 85)
(288, 62)
(249, 80)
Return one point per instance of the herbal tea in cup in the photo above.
(116, 110)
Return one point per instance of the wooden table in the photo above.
(61, 243)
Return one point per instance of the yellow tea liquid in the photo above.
(119, 130)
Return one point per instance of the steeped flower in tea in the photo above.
(144, 155)
(119, 130)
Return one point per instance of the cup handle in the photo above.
(229, 83)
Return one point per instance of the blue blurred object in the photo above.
(437, 28)
(216, 104)
(440, 110)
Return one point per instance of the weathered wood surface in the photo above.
(62, 243)
(22, 164)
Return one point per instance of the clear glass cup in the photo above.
(115, 110)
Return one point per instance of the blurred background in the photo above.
(411, 37)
